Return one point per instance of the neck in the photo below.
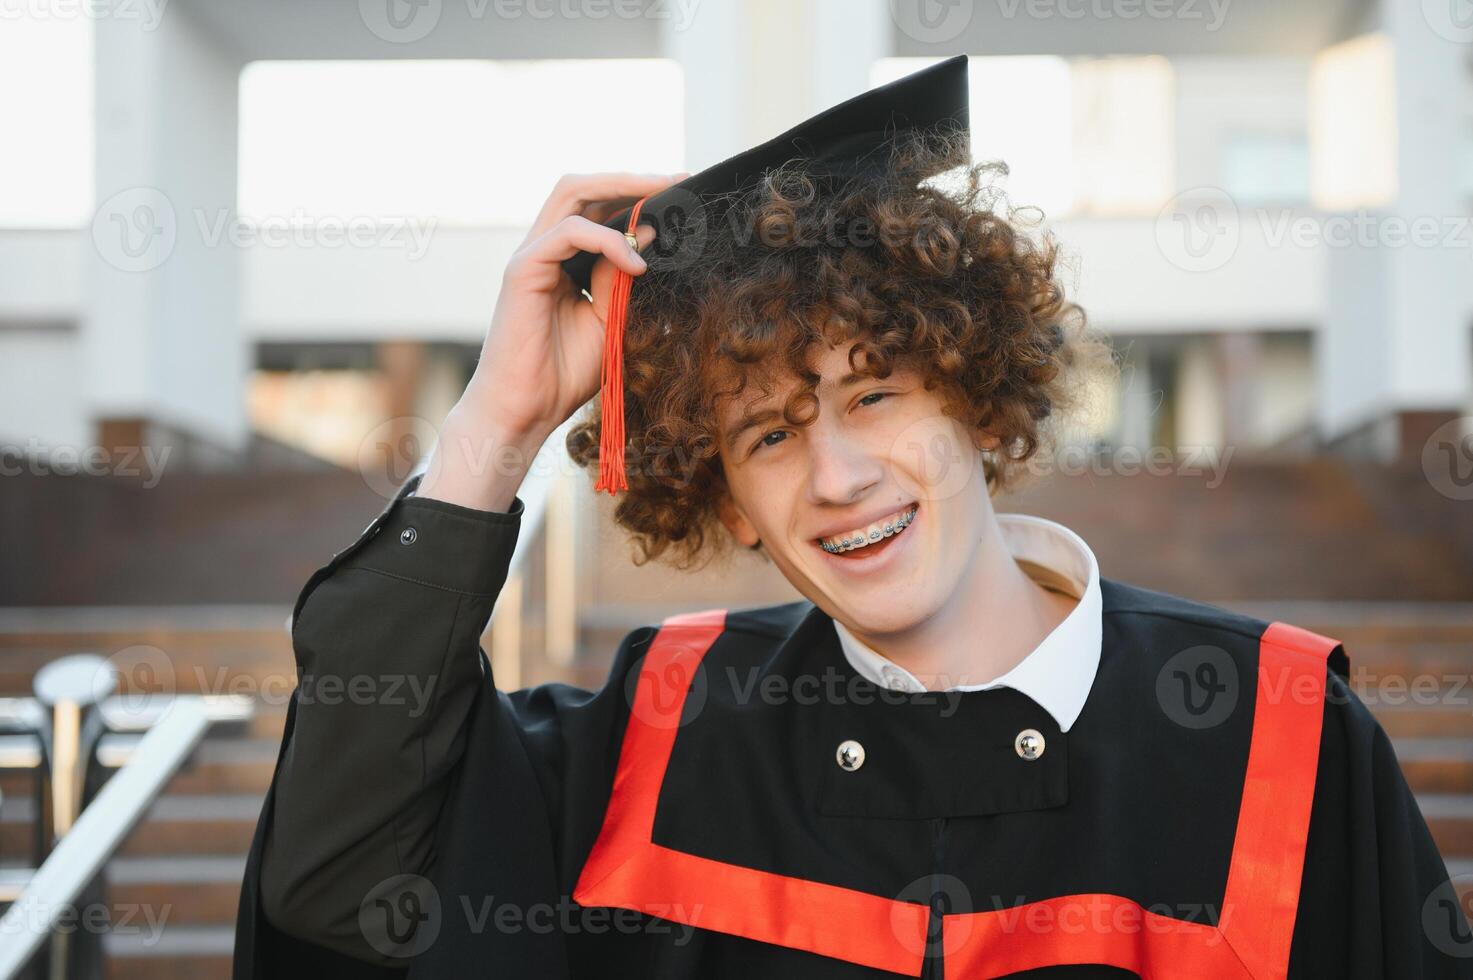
(996, 600)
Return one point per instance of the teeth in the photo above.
(877, 531)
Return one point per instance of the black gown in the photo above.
(1224, 806)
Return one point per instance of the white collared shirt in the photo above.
(1060, 671)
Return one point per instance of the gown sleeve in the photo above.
(386, 640)
(1376, 901)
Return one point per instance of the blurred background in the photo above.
(248, 251)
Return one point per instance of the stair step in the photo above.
(176, 952)
(1443, 718)
(1437, 765)
(188, 889)
(1450, 818)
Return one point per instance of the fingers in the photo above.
(577, 194)
(576, 233)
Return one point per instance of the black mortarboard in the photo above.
(841, 142)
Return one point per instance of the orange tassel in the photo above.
(611, 472)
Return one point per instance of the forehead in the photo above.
(773, 379)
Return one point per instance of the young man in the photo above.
(964, 754)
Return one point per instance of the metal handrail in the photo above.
(103, 825)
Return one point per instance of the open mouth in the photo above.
(863, 541)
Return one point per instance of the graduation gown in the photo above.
(1224, 806)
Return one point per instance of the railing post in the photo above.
(70, 688)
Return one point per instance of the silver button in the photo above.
(1029, 744)
(408, 536)
(850, 755)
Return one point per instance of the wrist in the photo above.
(485, 406)
(479, 460)
(485, 431)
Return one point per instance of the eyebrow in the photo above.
(753, 419)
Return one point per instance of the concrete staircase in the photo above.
(173, 888)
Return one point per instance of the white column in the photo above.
(1396, 334)
(756, 68)
(161, 335)
(1431, 285)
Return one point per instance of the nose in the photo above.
(841, 470)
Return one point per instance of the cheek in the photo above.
(765, 494)
(932, 458)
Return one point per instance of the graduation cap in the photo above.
(842, 142)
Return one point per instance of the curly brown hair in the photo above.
(920, 262)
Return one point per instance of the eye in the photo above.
(771, 439)
(873, 397)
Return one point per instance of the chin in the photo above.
(882, 614)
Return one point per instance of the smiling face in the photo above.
(873, 509)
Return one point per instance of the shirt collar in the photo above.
(1060, 671)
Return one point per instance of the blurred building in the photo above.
(296, 215)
